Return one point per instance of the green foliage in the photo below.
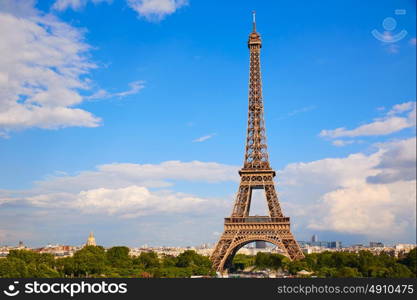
(95, 261)
(335, 264)
(243, 261)
(410, 261)
(347, 272)
(89, 261)
(66, 266)
(24, 263)
(12, 267)
(190, 258)
(268, 260)
(193, 264)
(118, 257)
(147, 260)
(296, 266)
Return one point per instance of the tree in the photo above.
(24, 255)
(399, 271)
(90, 260)
(169, 261)
(262, 260)
(410, 261)
(118, 257)
(327, 272)
(66, 266)
(41, 270)
(296, 266)
(13, 267)
(346, 272)
(243, 261)
(148, 260)
(191, 258)
(275, 260)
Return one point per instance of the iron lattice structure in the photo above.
(241, 229)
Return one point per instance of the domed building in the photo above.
(91, 241)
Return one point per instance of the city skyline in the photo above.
(114, 127)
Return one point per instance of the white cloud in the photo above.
(391, 123)
(42, 67)
(120, 175)
(155, 9)
(378, 211)
(135, 87)
(124, 185)
(402, 107)
(413, 41)
(397, 162)
(126, 202)
(133, 201)
(341, 143)
(204, 138)
(127, 190)
(61, 5)
(371, 195)
(18, 8)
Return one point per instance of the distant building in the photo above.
(404, 247)
(375, 244)
(260, 244)
(91, 241)
(334, 244)
(314, 238)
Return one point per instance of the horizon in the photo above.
(134, 127)
(343, 244)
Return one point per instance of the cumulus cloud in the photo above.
(42, 68)
(119, 175)
(400, 117)
(155, 9)
(61, 5)
(397, 162)
(125, 189)
(371, 195)
(126, 202)
(365, 194)
(378, 211)
(133, 201)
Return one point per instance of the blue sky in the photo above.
(138, 83)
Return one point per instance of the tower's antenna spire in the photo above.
(253, 21)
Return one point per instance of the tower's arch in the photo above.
(235, 246)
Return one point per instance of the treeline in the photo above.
(95, 261)
(334, 264)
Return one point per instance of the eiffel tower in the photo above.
(240, 228)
